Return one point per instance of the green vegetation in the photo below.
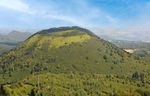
(71, 61)
(76, 85)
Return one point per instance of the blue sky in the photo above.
(115, 18)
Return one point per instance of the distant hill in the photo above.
(14, 36)
(140, 49)
(131, 44)
(12, 39)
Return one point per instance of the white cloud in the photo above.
(16, 5)
(82, 14)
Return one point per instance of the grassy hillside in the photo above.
(65, 50)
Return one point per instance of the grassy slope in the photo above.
(67, 51)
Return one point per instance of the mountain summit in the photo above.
(64, 29)
(64, 50)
